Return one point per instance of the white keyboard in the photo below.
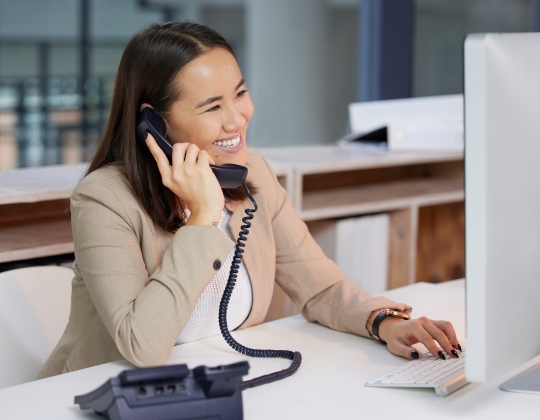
(427, 372)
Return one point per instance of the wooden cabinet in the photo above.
(34, 219)
(422, 191)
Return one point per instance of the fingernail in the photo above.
(459, 347)
(454, 353)
(414, 354)
(441, 355)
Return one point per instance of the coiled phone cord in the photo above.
(295, 356)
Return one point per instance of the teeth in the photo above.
(228, 143)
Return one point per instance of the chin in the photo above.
(238, 158)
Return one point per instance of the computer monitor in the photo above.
(502, 202)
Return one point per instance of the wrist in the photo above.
(198, 219)
(386, 325)
(369, 324)
(378, 323)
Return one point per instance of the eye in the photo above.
(214, 108)
(241, 93)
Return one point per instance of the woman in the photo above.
(153, 240)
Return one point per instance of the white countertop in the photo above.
(328, 385)
(319, 159)
(28, 185)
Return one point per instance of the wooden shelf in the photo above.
(353, 180)
(37, 238)
(386, 196)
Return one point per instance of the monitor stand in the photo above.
(527, 381)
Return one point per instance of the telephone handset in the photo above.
(148, 121)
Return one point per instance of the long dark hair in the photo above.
(151, 60)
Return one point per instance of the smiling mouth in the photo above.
(232, 143)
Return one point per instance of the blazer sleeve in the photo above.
(314, 282)
(143, 312)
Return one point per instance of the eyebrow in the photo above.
(208, 101)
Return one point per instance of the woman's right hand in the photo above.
(191, 179)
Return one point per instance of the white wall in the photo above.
(440, 29)
(287, 70)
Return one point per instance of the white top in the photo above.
(203, 322)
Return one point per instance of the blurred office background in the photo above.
(304, 61)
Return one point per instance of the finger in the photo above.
(401, 349)
(192, 152)
(159, 155)
(426, 339)
(448, 329)
(449, 336)
(179, 153)
(203, 158)
(441, 338)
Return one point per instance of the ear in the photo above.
(145, 105)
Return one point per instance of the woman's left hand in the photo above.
(400, 335)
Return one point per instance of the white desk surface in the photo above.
(328, 385)
(28, 185)
(320, 159)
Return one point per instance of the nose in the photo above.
(233, 120)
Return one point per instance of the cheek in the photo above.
(202, 134)
(206, 133)
(247, 110)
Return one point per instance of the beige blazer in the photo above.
(135, 285)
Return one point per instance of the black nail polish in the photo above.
(459, 347)
(414, 354)
(454, 353)
(441, 355)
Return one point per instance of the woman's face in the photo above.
(215, 108)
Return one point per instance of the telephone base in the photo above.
(170, 393)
